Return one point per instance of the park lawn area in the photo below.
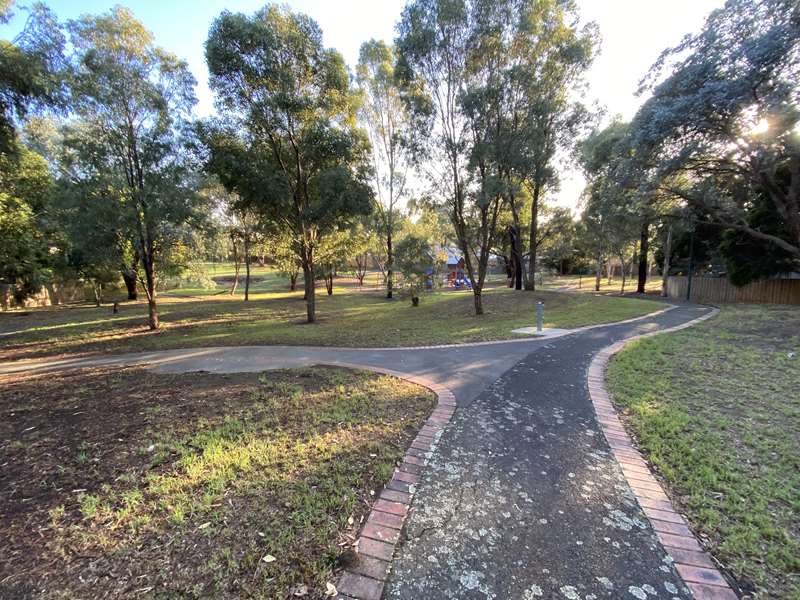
(124, 483)
(585, 284)
(348, 318)
(715, 409)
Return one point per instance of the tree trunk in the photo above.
(622, 272)
(310, 289)
(152, 314)
(97, 296)
(293, 281)
(235, 283)
(129, 276)
(478, 302)
(150, 285)
(329, 283)
(644, 247)
(516, 256)
(389, 263)
(237, 265)
(530, 284)
(665, 268)
(598, 273)
(246, 268)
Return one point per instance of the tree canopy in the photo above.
(294, 104)
(721, 127)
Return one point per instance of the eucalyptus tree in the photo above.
(387, 121)
(611, 209)
(292, 102)
(129, 98)
(549, 55)
(436, 44)
(31, 69)
(492, 87)
(721, 127)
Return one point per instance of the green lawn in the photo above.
(348, 318)
(127, 484)
(716, 408)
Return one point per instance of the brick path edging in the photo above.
(694, 565)
(381, 532)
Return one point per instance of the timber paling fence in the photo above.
(719, 289)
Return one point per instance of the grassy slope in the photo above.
(716, 410)
(124, 483)
(348, 318)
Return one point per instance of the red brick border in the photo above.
(694, 565)
(381, 532)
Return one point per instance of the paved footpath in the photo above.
(522, 498)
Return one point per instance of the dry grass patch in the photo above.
(118, 483)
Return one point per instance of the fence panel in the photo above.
(720, 290)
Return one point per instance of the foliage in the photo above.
(130, 97)
(547, 56)
(434, 52)
(749, 258)
(722, 126)
(414, 257)
(559, 245)
(613, 211)
(489, 85)
(387, 121)
(31, 69)
(25, 195)
(284, 256)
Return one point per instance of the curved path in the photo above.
(522, 497)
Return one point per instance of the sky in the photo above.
(634, 33)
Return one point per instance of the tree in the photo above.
(281, 251)
(749, 258)
(31, 69)
(722, 127)
(89, 246)
(293, 103)
(130, 97)
(548, 54)
(385, 116)
(245, 235)
(490, 85)
(26, 189)
(612, 213)
(365, 240)
(558, 244)
(414, 257)
(437, 41)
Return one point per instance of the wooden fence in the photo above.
(720, 290)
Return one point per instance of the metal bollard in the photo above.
(539, 315)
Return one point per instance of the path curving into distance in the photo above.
(522, 497)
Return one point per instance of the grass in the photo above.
(585, 284)
(348, 318)
(715, 408)
(125, 483)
